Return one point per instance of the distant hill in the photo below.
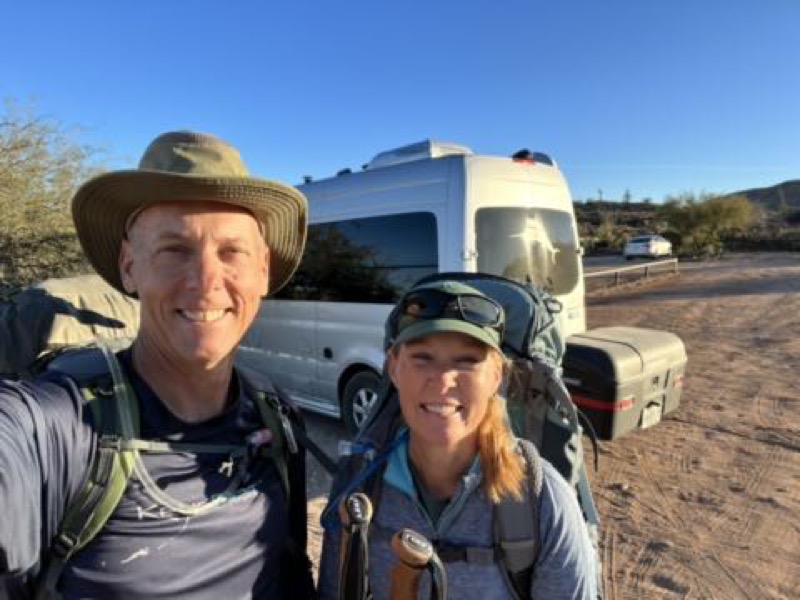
(777, 198)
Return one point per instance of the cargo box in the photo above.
(624, 377)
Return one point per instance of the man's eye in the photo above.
(174, 249)
(234, 251)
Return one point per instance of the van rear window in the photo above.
(530, 245)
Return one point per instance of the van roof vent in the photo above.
(418, 151)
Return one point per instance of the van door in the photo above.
(281, 342)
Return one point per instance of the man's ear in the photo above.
(126, 267)
(265, 267)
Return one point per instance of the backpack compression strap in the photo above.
(516, 526)
(274, 416)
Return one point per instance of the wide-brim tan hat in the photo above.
(185, 166)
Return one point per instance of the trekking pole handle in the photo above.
(355, 512)
(438, 578)
(414, 551)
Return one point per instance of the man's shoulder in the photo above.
(43, 389)
(52, 400)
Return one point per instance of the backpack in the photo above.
(114, 407)
(46, 318)
(541, 413)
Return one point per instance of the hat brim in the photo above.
(426, 327)
(102, 206)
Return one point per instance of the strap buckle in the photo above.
(64, 544)
(470, 554)
(112, 442)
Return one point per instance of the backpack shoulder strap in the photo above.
(283, 420)
(109, 471)
(516, 526)
(277, 415)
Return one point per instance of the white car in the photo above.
(649, 246)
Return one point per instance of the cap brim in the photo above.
(425, 327)
(102, 206)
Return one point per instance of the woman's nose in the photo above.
(444, 376)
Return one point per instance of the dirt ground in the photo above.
(706, 504)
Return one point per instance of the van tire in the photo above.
(359, 394)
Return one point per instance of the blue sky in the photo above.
(653, 96)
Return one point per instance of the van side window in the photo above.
(365, 260)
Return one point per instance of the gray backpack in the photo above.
(39, 321)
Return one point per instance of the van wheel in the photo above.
(359, 395)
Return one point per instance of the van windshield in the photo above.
(531, 245)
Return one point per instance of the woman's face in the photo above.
(445, 382)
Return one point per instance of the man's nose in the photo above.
(206, 271)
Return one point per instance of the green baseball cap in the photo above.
(448, 307)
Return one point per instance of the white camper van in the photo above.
(412, 211)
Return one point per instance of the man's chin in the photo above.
(208, 360)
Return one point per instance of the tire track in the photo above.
(644, 563)
(609, 563)
(730, 584)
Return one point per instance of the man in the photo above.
(212, 502)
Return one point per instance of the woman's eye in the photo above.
(421, 359)
(467, 362)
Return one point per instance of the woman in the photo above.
(457, 457)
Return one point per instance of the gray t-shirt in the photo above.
(237, 550)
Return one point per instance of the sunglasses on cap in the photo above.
(436, 304)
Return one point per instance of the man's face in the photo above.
(199, 270)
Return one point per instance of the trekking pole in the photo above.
(415, 554)
(355, 512)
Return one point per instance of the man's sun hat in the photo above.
(183, 166)
(446, 307)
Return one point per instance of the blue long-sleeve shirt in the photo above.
(236, 550)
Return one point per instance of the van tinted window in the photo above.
(530, 245)
(373, 259)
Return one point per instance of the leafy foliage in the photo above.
(698, 222)
(40, 168)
